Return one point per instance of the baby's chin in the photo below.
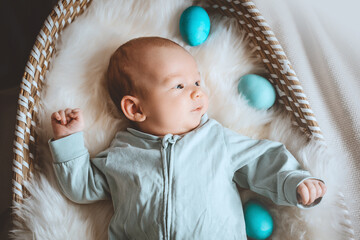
(187, 128)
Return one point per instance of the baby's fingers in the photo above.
(67, 114)
(67, 111)
(304, 194)
(63, 117)
(319, 190)
(312, 191)
(323, 188)
(55, 116)
(75, 113)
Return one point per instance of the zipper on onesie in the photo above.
(168, 143)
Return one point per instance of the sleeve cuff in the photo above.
(67, 148)
(291, 184)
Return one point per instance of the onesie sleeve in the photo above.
(78, 176)
(266, 167)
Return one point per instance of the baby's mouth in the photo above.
(197, 109)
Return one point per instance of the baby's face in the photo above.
(175, 99)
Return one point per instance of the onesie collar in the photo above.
(141, 134)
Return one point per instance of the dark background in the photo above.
(21, 21)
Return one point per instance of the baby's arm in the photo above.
(268, 168)
(79, 178)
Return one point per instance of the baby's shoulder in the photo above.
(121, 139)
(213, 125)
(210, 130)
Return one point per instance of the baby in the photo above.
(173, 174)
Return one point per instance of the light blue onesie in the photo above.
(177, 187)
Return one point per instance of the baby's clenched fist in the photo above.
(66, 122)
(310, 190)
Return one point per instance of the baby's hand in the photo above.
(310, 190)
(65, 123)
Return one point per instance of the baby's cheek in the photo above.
(167, 113)
(206, 105)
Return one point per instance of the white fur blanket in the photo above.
(76, 79)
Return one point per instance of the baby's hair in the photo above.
(119, 77)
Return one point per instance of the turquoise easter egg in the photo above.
(194, 25)
(257, 90)
(258, 221)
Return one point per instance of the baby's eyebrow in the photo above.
(169, 77)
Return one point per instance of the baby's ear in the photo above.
(130, 106)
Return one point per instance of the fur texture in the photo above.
(76, 79)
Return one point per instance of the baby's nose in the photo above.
(196, 94)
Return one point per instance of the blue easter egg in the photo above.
(258, 221)
(257, 90)
(194, 25)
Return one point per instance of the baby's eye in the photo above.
(197, 83)
(180, 86)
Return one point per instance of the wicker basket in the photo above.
(281, 73)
